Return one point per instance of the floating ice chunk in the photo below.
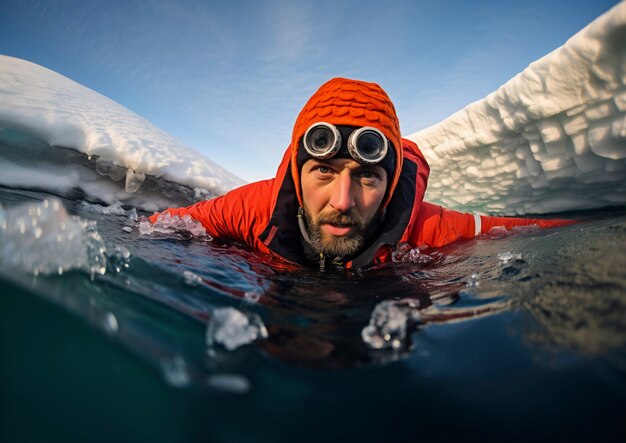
(192, 279)
(403, 253)
(501, 231)
(119, 259)
(172, 224)
(232, 383)
(134, 180)
(115, 209)
(110, 324)
(127, 229)
(507, 258)
(473, 281)
(43, 238)
(175, 371)
(388, 323)
(252, 297)
(232, 328)
(132, 215)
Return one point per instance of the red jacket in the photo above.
(263, 216)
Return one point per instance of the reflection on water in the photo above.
(587, 319)
(582, 307)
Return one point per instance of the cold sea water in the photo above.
(514, 336)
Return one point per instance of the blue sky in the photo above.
(228, 78)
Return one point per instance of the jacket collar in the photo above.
(283, 237)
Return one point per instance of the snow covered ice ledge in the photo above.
(553, 138)
(42, 111)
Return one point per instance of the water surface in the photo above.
(518, 338)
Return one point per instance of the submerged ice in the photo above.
(175, 371)
(42, 238)
(387, 328)
(231, 383)
(507, 258)
(232, 328)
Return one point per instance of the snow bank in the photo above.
(553, 138)
(41, 110)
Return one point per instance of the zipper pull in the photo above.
(338, 263)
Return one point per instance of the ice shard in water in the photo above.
(42, 238)
(387, 328)
(231, 328)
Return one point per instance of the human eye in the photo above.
(368, 176)
(321, 170)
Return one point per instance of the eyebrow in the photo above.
(374, 168)
(332, 162)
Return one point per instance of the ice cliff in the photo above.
(553, 138)
(42, 112)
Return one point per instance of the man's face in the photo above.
(341, 200)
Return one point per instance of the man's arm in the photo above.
(437, 226)
(233, 215)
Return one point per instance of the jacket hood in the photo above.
(341, 101)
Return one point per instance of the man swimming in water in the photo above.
(348, 190)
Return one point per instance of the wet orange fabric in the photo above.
(241, 215)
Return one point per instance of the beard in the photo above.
(331, 245)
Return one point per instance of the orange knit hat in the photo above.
(342, 101)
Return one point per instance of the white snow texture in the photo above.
(551, 139)
(44, 107)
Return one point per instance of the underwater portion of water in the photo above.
(172, 336)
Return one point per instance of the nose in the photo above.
(342, 198)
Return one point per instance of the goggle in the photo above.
(366, 145)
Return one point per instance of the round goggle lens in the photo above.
(322, 140)
(370, 145)
(367, 145)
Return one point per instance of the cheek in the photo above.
(372, 200)
(313, 198)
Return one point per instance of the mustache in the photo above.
(336, 218)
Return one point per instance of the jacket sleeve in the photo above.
(437, 226)
(487, 223)
(235, 215)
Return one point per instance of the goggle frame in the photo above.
(352, 143)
